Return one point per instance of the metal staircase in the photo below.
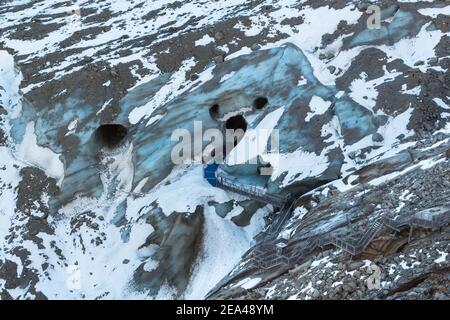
(435, 222)
(259, 194)
(270, 254)
(284, 215)
(358, 246)
(275, 252)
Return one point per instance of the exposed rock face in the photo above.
(90, 95)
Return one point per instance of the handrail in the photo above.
(272, 257)
(250, 191)
(266, 256)
(284, 215)
(435, 222)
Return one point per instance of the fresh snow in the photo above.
(44, 158)
(318, 106)
(206, 39)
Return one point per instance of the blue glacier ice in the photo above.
(274, 73)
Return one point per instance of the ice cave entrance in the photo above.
(111, 135)
(236, 123)
(214, 111)
(239, 125)
(260, 102)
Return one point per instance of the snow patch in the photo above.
(206, 39)
(318, 106)
(44, 158)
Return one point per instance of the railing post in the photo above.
(410, 233)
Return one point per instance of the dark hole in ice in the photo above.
(111, 135)
(214, 111)
(260, 102)
(236, 122)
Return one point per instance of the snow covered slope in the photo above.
(79, 222)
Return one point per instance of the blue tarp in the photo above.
(209, 171)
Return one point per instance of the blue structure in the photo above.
(209, 172)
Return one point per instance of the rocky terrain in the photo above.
(407, 264)
(94, 208)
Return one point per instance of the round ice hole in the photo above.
(260, 102)
(111, 135)
(214, 111)
(236, 122)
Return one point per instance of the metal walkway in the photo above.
(253, 192)
(277, 253)
(259, 194)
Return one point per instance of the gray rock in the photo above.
(219, 59)
(219, 36)
(376, 137)
(362, 6)
(332, 69)
(438, 296)
(352, 155)
(193, 76)
(315, 294)
(218, 52)
(355, 265)
(114, 73)
(255, 47)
